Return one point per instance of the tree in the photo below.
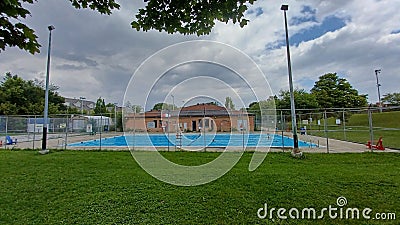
(263, 110)
(190, 16)
(119, 125)
(14, 33)
(391, 98)
(110, 108)
(74, 110)
(334, 92)
(173, 16)
(137, 108)
(265, 105)
(100, 107)
(163, 106)
(229, 103)
(302, 100)
(54, 97)
(211, 103)
(21, 97)
(134, 108)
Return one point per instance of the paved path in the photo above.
(336, 146)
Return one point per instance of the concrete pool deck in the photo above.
(56, 141)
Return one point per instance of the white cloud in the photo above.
(355, 51)
(95, 55)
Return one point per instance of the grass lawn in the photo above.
(82, 187)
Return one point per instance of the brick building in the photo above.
(190, 119)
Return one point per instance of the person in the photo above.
(303, 131)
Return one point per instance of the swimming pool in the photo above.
(195, 140)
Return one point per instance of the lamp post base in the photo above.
(44, 152)
(296, 153)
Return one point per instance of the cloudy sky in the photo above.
(96, 55)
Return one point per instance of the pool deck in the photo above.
(56, 141)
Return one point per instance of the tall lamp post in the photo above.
(115, 116)
(377, 72)
(82, 98)
(292, 106)
(173, 102)
(173, 109)
(46, 97)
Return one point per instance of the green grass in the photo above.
(385, 119)
(82, 187)
(386, 125)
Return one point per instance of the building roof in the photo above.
(198, 110)
(153, 113)
(193, 110)
(202, 107)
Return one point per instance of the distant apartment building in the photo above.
(80, 104)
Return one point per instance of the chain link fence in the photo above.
(358, 125)
(26, 131)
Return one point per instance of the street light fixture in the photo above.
(46, 97)
(292, 105)
(378, 85)
(82, 98)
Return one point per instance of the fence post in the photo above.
(101, 127)
(204, 130)
(168, 115)
(5, 142)
(34, 134)
(282, 128)
(66, 133)
(243, 129)
(371, 130)
(344, 126)
(134, 129)
(326, 132)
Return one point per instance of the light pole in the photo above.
(82, 98)
(115, 117)
(173, 109)
(379, 92)
(292, 106)
(46, 97)
(173, 102)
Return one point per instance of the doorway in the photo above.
(194, 125)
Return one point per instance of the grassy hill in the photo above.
(385, 120)
(386, 125)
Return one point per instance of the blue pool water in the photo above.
(195, 140)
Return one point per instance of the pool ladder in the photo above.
(178, 142)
